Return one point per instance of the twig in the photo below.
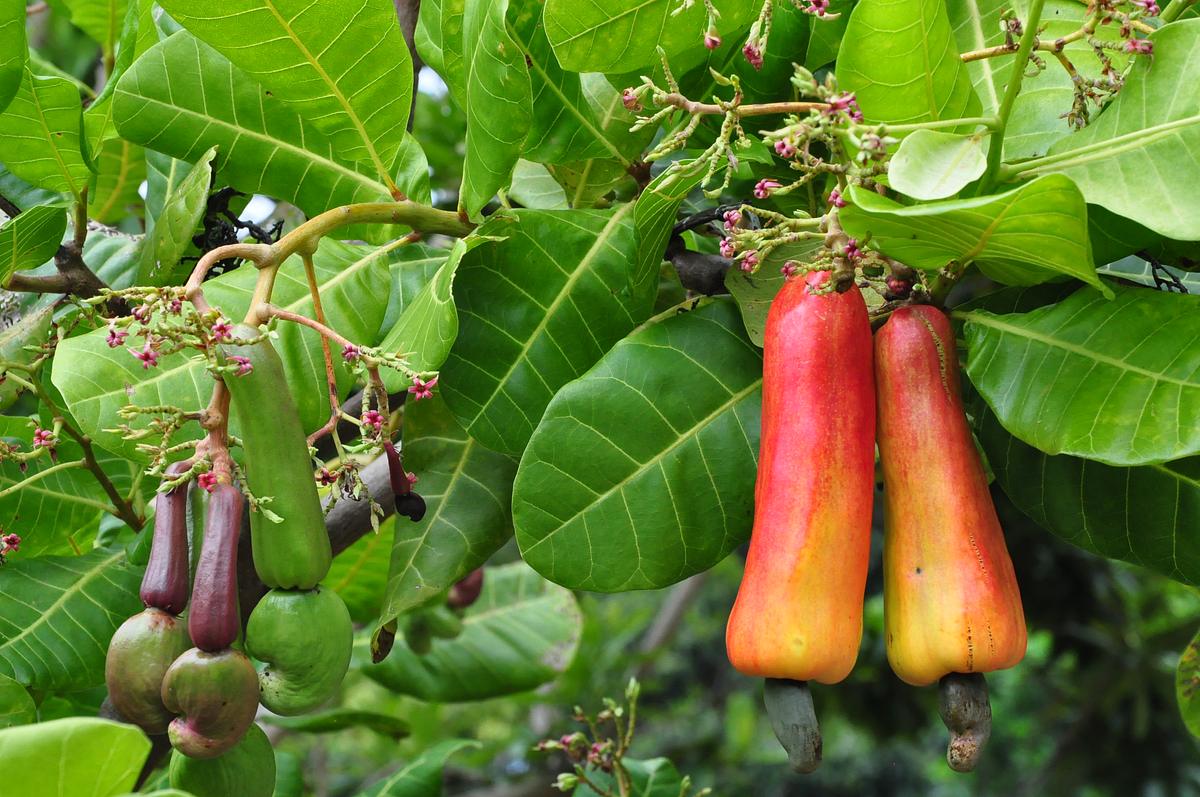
(763, 109)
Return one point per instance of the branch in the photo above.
(407, 12)
(1028, 38)
(762, 109)
(8, 207)
(350, 519)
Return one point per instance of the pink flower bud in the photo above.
(728, 249)
(711, 40)
(785, 148)
(753, 54)
(764, 187)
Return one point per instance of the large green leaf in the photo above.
(467, 490)
(1115, 381)
(931, 164)
(1187, 685)
(1038, 118)
(900, 59)
(521, 633)
(342, 66)
(1147, 515)
(122, 168)
(100, 19)
(754, 294)
(182, 210)
(1028, 235)
(78, 756)
(641, 473)
(182, 97)
(537, 310)
(58, 613)
(39, 134)
(339, 719)
(32, 238)
(498, 103)
(97, 381)
(655, 213)
(622, 35)
(13, 51)
(32, 329)
(16, 704)
(1134, 158)
(359, 573)
(48, 511)
(656, 777)
(413, 266)
(421, 777)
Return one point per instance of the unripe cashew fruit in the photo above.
(798, 613)
(247, 770)
(295, 553)
(216, 698)
(214, 621)
(165, 583)
(951, 603)
(139, 655)
(304, 640)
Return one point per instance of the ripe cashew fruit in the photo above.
(247, 770)
(798, 613)
(295, 553)
(216, 698)
(213, 621)
(951, 603)
(165, 584)
(139, 655)
(304, 640)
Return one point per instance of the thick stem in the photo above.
(1028, 38)
(1174, 10)
(964, 707)
(794, 720)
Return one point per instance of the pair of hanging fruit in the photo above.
(951, 605)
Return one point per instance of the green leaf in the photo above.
(13, 51)
(122, 168)
(421, 777)
(32, 238)
(58, 613)
(534, 187)
(340, 719)
(622, 35)
(182, 97)
(16, 705)
(825, 39)
(1112, 381)
(656, 777)
(537, 310)
(39, 135)
(1133, 158)
(498, 103)
(632, 481)
(48, 511)
(900, 60)
(1187, 685)
(754, 293)
(931, 164)
(359, 573)
(182, 210)
(413, 266)
(655, 213)
(343, 66)
(1147, 515)
(1143, 272)
(428, 325)
(1028, 235)
(521, 633)
(32, 329)
(97, 381)
(99, 19)
(467, 491)
(79, 756)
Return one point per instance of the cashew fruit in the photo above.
(798, 613)
(246, 770)
(214, 621)
(951, 603)
(304, 639)
(139, 655)
(165, 583)
(216, 698)
(294, 553)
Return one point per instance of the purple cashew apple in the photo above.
(215, 696)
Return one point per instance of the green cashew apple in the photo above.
(139, 655)
(216, 698)
(304, 639)
(247, 770)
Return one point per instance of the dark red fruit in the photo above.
(214, 621)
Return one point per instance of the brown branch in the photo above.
(761, 109)
(10, 210)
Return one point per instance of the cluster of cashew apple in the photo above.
(952, 610)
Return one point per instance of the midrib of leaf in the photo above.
(655, 460)
(122, 176)
(981, 42)
(975, 317)
(59, 496)
(41, 115)
(68, 593)
(986, 235)
(575, 276)
(1103, 150)
(635, 10)
(337, 95)
(305, 154)
(584, 122)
